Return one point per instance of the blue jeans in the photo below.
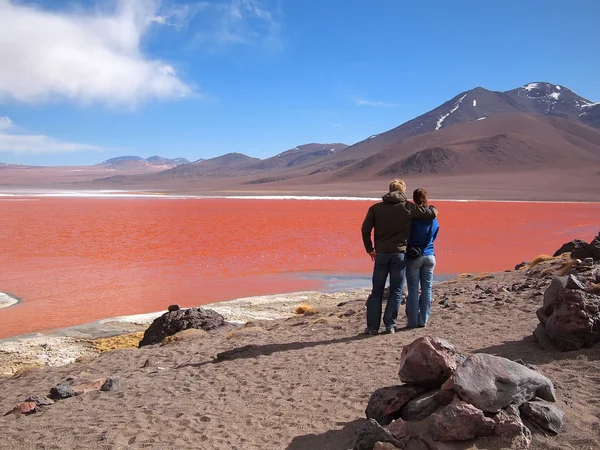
(419, 270)
(394, 265)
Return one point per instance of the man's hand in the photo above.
(373, 255)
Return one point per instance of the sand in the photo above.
(303, 384)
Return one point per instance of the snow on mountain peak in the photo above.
(441, 119)
(531, 86)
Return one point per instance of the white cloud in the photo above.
(19, 142)
(85, 57)
(363, 102)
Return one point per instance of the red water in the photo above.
(75, 260)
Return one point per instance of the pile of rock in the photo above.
(570, 316)
(452, 397)
(582, 250)
(176, 320)
(71, 387)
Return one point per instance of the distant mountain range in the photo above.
(531, 129)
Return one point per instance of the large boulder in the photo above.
(491, 383)
(572, 319)
(427, 361)
(460, 421)
(568, 247)
(385, 403)
(425, 404)
(546, 415)
(175, 321)
(591, 251)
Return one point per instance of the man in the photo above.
(391, 219)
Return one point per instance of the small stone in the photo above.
(62, 391)
(174, 308)
(39, 400)
(111, 384)
(398, 429)
(588, 262)
(545, 414)
(578, 262)
(25, 408)
(146, 364)
(370, 433)
(574, 283)
(385, 403)
(384, 446)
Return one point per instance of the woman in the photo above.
(419, 269)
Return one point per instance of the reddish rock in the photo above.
(491, 383)
(425, 404)
(25, 408)
(398, 429)
(385, 403)
(510, 426)
(40, 400)
(428, 361)
(460, 421)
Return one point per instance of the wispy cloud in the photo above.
(379, 104)
(239, 22)
(81, 56)
(15, 140)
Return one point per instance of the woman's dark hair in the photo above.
(420, 197)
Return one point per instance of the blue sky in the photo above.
(85, 81)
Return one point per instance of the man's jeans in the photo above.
(394, 265)
(419, 270)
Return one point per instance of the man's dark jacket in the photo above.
(391, 219)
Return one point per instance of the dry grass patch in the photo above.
(185, 335)
(303, 309)
(26, 368)
(483, 276)
(540, 259)
(130, 340)
(566, 268)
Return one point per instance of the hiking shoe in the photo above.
(370, 332)
(390, 330)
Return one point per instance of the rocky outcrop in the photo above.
(570, 315)
(175, 321)
(581, 250)
(473, 396)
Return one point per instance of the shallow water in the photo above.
(75, 260)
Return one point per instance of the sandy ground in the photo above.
(300, 382)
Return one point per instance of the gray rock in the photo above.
(385, 403)
(573, 320)
(460, 421)
(570, 246)
(588, 262)
(425, 404)
(491, 383)
(427, 361)
(40, 400)
(62, 391)
(546, 415)
(111, 384)
(175, 321)
(551, 292)
(172, 308)
(574, 283)
(370, 433)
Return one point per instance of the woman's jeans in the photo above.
(419, 270)
(394, 265)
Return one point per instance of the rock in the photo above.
(185, 335)
(398, 429)
(89, 386)
(25, 408)
(568, 247)
(384, 446)
(522, 265)
(370, 433)
(385, 403)
(543, 339)
(147, 364)
(62, 391)
(425, 404)
(591, 250)
(491, 383)
(111, 384)
(175, 321)
(39, 400)
(460, 421)
(174, 308)
(551, 292)
(588, 262)
(508, 424)
(574, 283)
(428, 361)
(546, 415)
(573, 320)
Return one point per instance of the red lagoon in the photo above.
(76, 260)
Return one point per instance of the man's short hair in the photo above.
(397, 185)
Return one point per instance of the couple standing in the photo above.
(400, 226)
